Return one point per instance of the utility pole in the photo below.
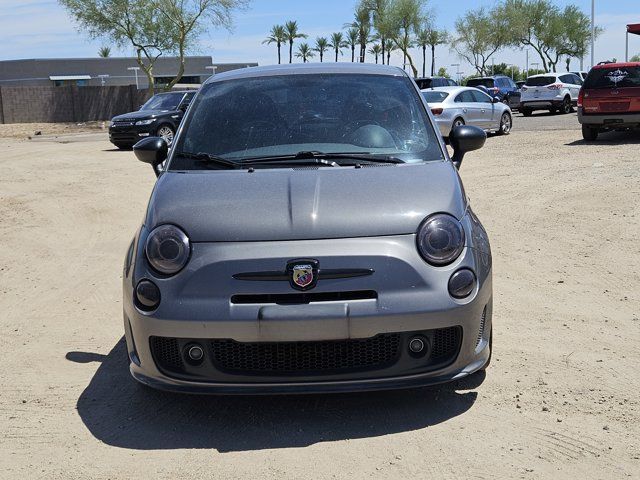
(593, 31)
(526, 70)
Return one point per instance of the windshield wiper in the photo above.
(210, 158)
(302, 157)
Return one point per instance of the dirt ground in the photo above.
(560, 399)
(33, 130)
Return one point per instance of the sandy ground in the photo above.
(559, 401)
(30, 130)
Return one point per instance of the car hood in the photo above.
(141, 114)
(301, 204)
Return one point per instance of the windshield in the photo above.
(435, 96)
(165, 101)
(613, 77)
(540, 81)
(485, 82)
(275, 116)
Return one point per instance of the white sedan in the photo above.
(454, 106)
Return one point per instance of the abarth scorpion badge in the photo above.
(303, 274)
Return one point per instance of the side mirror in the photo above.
(463, 139)
(496, 100)
(152, 150)
(183, 107)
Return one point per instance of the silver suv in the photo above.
(550, 91)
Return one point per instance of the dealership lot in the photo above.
(559, 400)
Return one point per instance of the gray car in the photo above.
(454, 106)
(308, 232)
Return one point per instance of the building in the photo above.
(110, 71)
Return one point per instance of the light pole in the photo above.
(103, 79)
(457, 65)
(512, 65)
(212, 68)
(593, 31)
(135, 69)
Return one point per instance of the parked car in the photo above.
(550, 91)
(432, 82)
(497, 86)
(610, 99)
(159, 116)
(520, 84)
(455, 106)
(581, 75)
(308, 232)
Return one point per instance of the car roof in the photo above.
(617, 65)
(450, 90)
(550, 74)
(308, 68)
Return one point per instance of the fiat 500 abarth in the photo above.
(308, 232)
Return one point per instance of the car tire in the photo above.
(167, 132)
(566, 107)
(589, 134)
(506, 123)
(458, 122)
(527, 112)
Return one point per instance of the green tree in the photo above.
(322, 46)
(127, 23)
(635, 58)
(104, 52)
(391, 47)
(337, 43)
(480, 33)
(362, 23)
(278, 36)
(352, 42)
(382, 22)
(376, 51)
(431, 38)
(292, 34)
(576, 35)
(407, 17)
(305, 52)
(442, 72)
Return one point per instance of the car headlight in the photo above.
(146, 122)
(440, 239)
(168, 249)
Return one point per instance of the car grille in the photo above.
(384, 352)
(323, 357)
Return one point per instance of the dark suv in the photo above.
(499, 86)
(159, 117)
(610, 99)
(432, 82)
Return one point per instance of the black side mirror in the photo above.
(152, 150)
(496, 100)
(183, 107)
(463, 139)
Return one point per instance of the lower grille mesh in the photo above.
(167, 353)
(306, 357)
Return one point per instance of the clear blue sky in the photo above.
(41, 28)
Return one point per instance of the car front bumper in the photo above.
(411, 299)
(130, 134)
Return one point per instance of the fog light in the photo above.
(462, 283)
(147, 295)
(419, 346)
(194, 354)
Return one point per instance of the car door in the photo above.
(572, 83)
(486, 109)
(468, 108)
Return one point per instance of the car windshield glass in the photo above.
(434, 96)
(540, 81)
(276, 116)
(485, 82)
(614, 77)
(165, 101)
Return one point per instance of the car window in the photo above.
(540, 81)
(434, 96)
(452, 83)
(465, 97)
(281, 115)
(576, 79)
(567, 79)
(484, 82)
(163, 101)
(613, 77)
(481, 97)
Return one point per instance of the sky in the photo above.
(42, 29)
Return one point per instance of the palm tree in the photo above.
(429, 37)
(391, 47)
(382, 22)
(362, 24)
(352, 41)
(104, 52)
(337, 43)
(291, 35)
(322, 45)
(305, 52)
(376, 50)
(278, 35)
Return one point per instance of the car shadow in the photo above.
(122, 413)
(628, 137)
